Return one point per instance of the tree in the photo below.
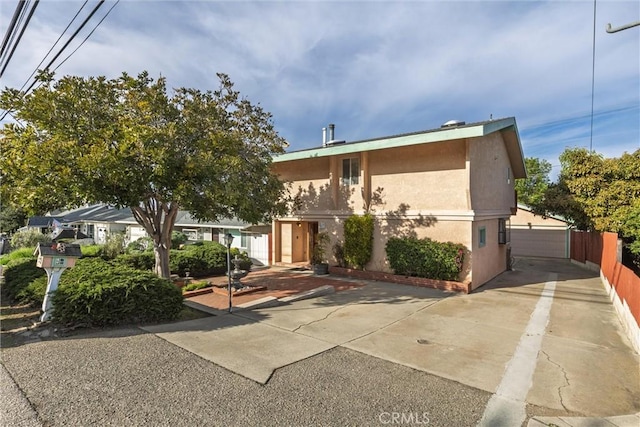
(532, 188)
(126, 142)
(11, 218)
(606, 189)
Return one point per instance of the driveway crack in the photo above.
(320, 320)
(566, 379)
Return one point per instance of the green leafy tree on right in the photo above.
(597, 193)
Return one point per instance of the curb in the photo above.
(615, 421)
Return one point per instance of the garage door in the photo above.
(540, 243)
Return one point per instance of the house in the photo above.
(43, 224)
(454, 183)
(99, 221)
(537, 236)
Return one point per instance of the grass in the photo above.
(18, 253)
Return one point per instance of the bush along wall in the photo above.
(358, 240)
(425, 258)
(98, 293)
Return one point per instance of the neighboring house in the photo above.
(455, 183)
(43, 224)
(537, 236)
(99, 221)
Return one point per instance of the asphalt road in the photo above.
(125, 377)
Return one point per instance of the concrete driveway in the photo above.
(544, 334)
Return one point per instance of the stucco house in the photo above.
(454, 183)
(538, 236)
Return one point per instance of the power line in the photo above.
(15, 45)
(54, 45)
(88, 35)
(48, 66)
(12, 26)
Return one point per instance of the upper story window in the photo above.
(351, 171)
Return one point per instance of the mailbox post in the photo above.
(54, 258)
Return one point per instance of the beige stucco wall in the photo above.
(491, 177)
(490, 260)
(422, 177)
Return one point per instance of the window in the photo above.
(350, 171)
(503, 232)
(482, 237)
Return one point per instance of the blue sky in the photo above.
(375, 68)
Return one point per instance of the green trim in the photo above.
(435, 135)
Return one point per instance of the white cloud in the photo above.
(375, 68)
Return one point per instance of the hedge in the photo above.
(98, 293)
(18, 275)
(358, 240)
(425, 258)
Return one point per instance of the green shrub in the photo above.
(34, 292)
(28, 239)
(114, 246)
(17, 254)
(138, 260)
(425, 258)
(91, 250)
(205, 259)
(18, 275)
(358, 240)
(140, 245)
(195, 286)
(97, 293)
(178, 238)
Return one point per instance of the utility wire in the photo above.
(88, 35)
(12, 25)
(15, 45)
(95, 9)
(12, 35)
(54, 45)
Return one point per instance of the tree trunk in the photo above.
(158, 218)
(162, 260)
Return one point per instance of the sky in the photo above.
(373, 68)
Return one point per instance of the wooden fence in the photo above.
(624, 286)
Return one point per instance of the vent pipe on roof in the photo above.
(332, 130)
(324, 137)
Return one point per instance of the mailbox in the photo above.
(57, 255)
(54, 258)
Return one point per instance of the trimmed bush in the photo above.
(425, 258)
(17, 254)
(18, 275)
(358, 240)
(140, 245)
(34, 292)
(138, 260)
(28, 239)
(91, 250)
(178, 238)
(205, 259)
(98, 293)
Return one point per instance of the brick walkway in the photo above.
(280, 283)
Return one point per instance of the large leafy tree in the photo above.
(127, 142)
(532, 188)
(595, 192)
